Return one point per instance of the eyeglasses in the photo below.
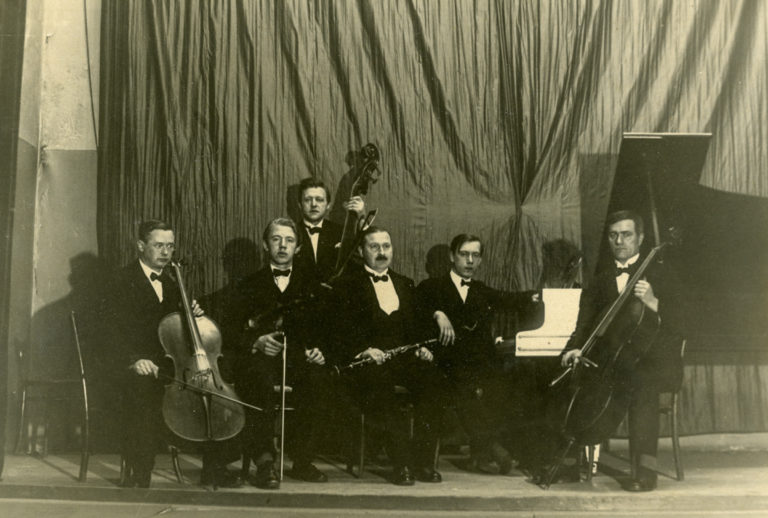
(160, 246)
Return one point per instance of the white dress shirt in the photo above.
(621, 280)
(281, 281)
(463, 290)
(156, 284)
(313, 237)
(385, 292)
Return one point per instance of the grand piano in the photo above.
(654, 173)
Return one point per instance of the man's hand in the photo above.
(270, 344)
(315, 356)
(376, 355)
(644, 291)
(422, 353)
(447, 334)
(145, 368)
(196, 309)
(355, 204)
(569, 359)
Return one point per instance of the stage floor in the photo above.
(724, 476)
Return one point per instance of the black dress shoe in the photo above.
(642, 484)
(403, 477)
(266, 477)
(308, 473)
(428, 475)
(220, 477)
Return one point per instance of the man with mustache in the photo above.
(273, 309)
(319, 237)
(462, 310)
(661, 367)
(376, 312)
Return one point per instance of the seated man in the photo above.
(463, 309)
(661, 366)
(375, 312)
(269, 307)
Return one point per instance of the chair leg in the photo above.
(245, 466)
(676, 438)
(123, 472)
(176, 464)
(436, 461)
(361, 457)
(590, 460)
(22, 421)
(85, 448)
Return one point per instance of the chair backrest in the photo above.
(78, 346)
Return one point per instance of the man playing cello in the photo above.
(660, 369)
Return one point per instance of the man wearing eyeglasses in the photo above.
(143, 293)
(462, 309)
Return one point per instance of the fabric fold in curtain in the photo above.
(491, 116)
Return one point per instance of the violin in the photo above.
(367, 174)
(197, 405)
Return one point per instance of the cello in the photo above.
(197, 405)
(599, 391)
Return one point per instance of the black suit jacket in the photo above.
(134, 313)
(257, 304)
(662, 365)
(353, 312)
(327, 252)
(471, 319)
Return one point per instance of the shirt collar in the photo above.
(314, 225)
(374, 272)
(149, 271)
(456, 278)
(632, 260)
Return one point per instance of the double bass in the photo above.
(599, 392)
(197, 405)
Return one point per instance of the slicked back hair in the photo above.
(279, 222)
(621, 215)
(459, 240)
(149, 226)
(309, 183)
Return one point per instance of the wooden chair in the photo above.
(671, 410)
(52, 392)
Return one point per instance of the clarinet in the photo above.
(388, 355)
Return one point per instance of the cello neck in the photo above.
(201, 358)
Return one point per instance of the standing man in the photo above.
(319, 238)
(273, 311)
(376, 312)
(142, 294)
(661, 367)
(463, 309)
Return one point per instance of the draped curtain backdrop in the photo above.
(492, 116)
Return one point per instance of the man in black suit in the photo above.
(274, 310)
(319, 238)
(376, 312)
(463, 309)
(141, 295)
(661, 367)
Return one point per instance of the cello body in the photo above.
(600, 396)
(198, 405)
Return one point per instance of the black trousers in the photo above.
(372, 388)
(308, 400)
(480, 397)
(142, 424)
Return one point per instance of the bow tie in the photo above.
(312, 230)
(627, 270)
(465, 283)
(377, 278)
(281, 273)
(155, 277)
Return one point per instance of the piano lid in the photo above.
(655, 172)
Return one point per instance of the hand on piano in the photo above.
(447, 334)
